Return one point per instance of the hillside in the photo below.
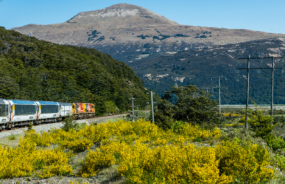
(130, 33)
(32, 69)
(197, 66)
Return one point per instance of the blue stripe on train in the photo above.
(23, 102)
(47, 103)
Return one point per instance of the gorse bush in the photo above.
(252, 158)
(25, 160)
(142, 152)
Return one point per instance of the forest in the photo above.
(32, 69)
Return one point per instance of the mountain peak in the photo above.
(120, 11)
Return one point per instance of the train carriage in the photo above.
(66, 109)
(48, 111)
(4, 113)
(22, 112)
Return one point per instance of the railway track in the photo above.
(48, 126)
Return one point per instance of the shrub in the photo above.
(143, 153)
(77, 145)
(25, 159)
(279, 161)
(12, 137)
(177, 127)
(246, 163)
(163, 121)
(111, 107)
(189, 104)
(275, 142)
(69, 124)
(98, 159)
(260, 123)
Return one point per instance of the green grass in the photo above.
(6, 141)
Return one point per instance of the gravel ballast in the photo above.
(47, 127)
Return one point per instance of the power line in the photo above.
(247, 87)
(219, 90)
(152, 110)
(133, 109)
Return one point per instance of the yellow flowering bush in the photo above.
(234, 124)
(103, 157)
(77, 145)
(26, 159)
(142, 164)
(142, 152)
(248, 163)
(230, 114)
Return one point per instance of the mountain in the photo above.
(197, 67)
(130, 33)
(164, 53)
(38, 70)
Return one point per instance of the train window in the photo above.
(49, 109)
(25, 109)
(3, 110)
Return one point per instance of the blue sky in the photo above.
(259, 15)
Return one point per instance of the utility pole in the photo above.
(219, 95)
(152, 111)
(138, 111)
(133, 109)
(272, 83)
(247, 87)
(219, 91)
(151, 102)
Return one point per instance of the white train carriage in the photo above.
(22, 112)
(48, 111)
(65, 109)
(4, 113)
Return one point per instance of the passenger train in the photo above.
(23, 112)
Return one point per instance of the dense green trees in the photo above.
(189, 104)
(32, 69)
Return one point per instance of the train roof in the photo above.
(64, 103)
(23, 102)
(47, 103)
(82, 102)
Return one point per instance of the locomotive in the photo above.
(23, 112)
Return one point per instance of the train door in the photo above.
(38, 111)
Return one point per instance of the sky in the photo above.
(258, 15)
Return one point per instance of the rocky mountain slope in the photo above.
(164, 53)
(198, 65)
(130, 33)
